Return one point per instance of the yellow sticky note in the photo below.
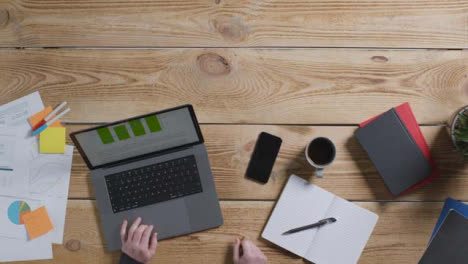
(52, 140)
(37, 222)
(37, 117)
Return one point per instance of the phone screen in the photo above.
(263, 158)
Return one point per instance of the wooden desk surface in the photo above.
(297, 69)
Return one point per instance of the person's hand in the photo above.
(139, 244)
(245, 252)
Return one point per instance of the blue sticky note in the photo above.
(450, 204)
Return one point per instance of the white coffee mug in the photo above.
(320, 153)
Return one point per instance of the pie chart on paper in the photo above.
(15, 210)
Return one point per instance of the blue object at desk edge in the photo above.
(450, 204)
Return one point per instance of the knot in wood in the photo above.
(213, 64)
(381, 59)
(231, 31)
(73, 245)
(4, 17)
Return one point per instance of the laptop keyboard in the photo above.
(153, 184)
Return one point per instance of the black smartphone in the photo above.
(263, 157)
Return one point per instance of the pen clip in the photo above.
(327, 220)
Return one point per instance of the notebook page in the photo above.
(301, 203)
(342, 242)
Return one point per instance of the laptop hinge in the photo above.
(145, 157)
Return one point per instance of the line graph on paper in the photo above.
(49, 174)
(46, 177)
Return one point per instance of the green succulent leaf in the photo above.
(463, 120)
(461, 138)
(461, 134)
(463, 148)
(462, 131)
(465, 153)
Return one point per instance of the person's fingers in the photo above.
(146, 236)
(138, 233)
(153, 243)
(236, 251)
(247, 246)
(133, 227)
(123, 231)
(255, 248)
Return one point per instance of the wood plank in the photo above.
(293, 86)
(196, 23)
(400, 236)
(351, 176)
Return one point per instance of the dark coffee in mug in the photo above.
(321, 151)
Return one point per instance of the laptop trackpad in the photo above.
(169, 218)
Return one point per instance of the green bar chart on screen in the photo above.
(137, 127)
(105, 135)
(153, 123)
(121, 132)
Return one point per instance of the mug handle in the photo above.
(319, 173)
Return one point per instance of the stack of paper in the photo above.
(32, 181)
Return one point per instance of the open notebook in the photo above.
(303, 203)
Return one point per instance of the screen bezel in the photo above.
(109, 164)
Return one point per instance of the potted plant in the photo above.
(459, 131)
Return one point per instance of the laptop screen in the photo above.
(138, 136)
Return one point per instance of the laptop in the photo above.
(154, 166)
